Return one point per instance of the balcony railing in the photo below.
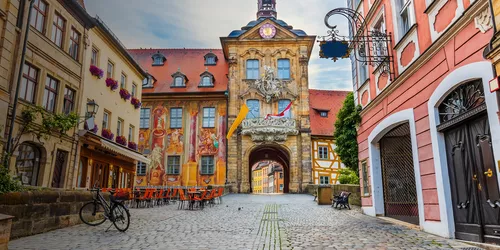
(271, 129)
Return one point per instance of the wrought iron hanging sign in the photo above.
(363, 45)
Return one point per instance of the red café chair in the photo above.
(182, 198)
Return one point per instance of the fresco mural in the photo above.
(175, 138)
(208, 142)
(190, 142)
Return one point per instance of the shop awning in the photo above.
(125, 152)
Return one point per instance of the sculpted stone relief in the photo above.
(272, 129)
(269, 87)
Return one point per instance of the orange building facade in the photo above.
(429, 140)
(183, 117)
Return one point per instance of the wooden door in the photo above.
(59, 169)
(473, 181)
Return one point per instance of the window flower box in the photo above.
(111, 83)
(96, 71)
(136, 102)
(125, 95)
(132, 145)
(106, 133)
(121, 140)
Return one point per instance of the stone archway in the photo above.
(271, 153)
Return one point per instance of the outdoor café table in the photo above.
(192, 194)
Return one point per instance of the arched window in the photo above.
(463, 99)
(179, 82)
(28, 164)
(206, 81)
(158, 59)
(210, 59)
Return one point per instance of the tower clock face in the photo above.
(267, 31)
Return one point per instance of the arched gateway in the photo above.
(271, 153)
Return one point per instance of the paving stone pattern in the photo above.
(243, 222)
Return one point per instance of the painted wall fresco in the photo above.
(189, 142)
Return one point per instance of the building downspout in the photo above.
(16, 97)
(227, 125)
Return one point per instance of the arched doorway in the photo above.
(471, 164)
(398, 175)
(28, 164)
(271, 153)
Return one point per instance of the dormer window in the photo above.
(179, 82)
(323, 114)
(206, 79)
(179, 79)
(210, 59)
(158, 59)
(148, 81)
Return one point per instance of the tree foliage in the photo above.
(41, 124)
(345, 135)
(7, 183)
(348, 176)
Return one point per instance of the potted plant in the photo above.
(125, 95)
(96, 71)
(121, 140)
(111, 83)
(106, 133)
(136, 102)
(132, 145)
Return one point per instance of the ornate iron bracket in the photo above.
(370, 47)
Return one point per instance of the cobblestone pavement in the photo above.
(262, 222)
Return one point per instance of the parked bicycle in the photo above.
(98, 210)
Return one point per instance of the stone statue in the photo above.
(269, 86)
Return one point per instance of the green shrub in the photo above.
(7, 183)
(348, 176)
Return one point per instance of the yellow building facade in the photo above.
(108, 151)
(257, 187)
(51, 78)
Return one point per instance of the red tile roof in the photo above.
(324, 100)
(191, 63)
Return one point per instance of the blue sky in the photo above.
(200, 23)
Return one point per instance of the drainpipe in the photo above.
(227, 125)
(16, 97)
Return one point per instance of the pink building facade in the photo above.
(429, 140)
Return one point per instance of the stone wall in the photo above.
(354, 199)
(41, 211)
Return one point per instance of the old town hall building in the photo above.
(194, 95)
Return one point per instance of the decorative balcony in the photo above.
(271, 129)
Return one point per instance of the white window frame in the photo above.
(322, 180)
(396, 14)
(321, 153)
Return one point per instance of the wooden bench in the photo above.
(341, 200)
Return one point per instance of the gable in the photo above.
(254, 33)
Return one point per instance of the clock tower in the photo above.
(267, 8)
(268, 72)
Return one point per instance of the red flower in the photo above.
(96, 71)
(106, 133)
(132, 145)
(136, 102)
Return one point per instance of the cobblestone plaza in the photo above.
(244, 222)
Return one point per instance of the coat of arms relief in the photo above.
(269, 86)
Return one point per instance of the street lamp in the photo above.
(92, 108)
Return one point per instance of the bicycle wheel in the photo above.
(92, 213)
(121, 217)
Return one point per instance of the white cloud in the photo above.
(200, 23)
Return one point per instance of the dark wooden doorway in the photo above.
(473, 181)
(398, 175)
(59, 169)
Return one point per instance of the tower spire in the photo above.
(267, 8)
